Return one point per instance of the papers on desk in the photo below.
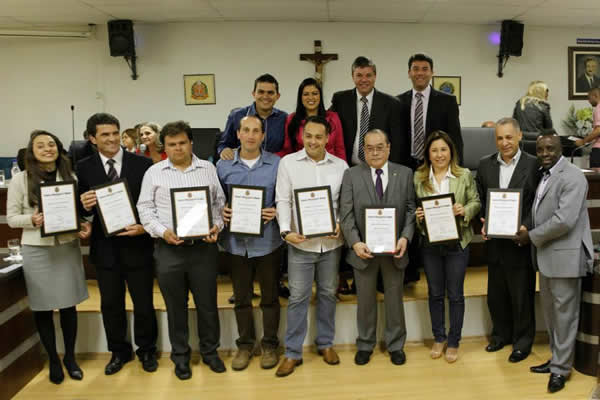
(573, 138)
(10, 268)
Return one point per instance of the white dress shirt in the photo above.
(384, 176)
(413, 105)
(444, 186)
(297, 171)
(507, 169)
(359, 105)
(118, 161)
(154, 203)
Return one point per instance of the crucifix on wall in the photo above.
(319, 60)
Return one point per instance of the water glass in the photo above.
(2, 178)
(14, 247)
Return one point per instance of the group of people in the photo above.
(372, 150)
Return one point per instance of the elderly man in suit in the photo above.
(378, 183)
(589, 79)
(562, 252)
(511, 278)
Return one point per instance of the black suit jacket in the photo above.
(526, 177)
(117, 251)
(442, 114)
(385, 115)
(583, 85)
(80, 149)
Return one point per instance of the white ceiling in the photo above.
(27, 14)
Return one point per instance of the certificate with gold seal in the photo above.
(440, 222)
(380, 230)
(115, 207)
(192, 218)
(503, 213)
(58, 203)
(246, 203)
(314, 208)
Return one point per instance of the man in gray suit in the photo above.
(381, 184)
(562, 252)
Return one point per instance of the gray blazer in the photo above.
(358, 192)
(561, 233)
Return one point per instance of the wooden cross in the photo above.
(319, 59)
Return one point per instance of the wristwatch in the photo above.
(284, 234)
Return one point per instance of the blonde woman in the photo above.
(533, 110)
(150, 144)
(445, 265)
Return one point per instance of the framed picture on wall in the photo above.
(199, 89)
(584, 73)
(448, 84)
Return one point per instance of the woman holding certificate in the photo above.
(448, 200)
(52, 265)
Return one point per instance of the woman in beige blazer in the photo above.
(445, 264)
(52, 265)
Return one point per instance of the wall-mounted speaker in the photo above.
(120, 38)
(511, 38)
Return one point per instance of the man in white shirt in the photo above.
(309, 259)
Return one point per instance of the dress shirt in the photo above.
(297, 171)
(413, 104)
(118, 161)
(596, 123)
(544, 182)
(384, 177)
(262, 173)
(359, 105)
(274, 126)
(444, 186)
(154, 203)
(507, 169)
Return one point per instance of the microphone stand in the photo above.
(73, 121)
(578, 148)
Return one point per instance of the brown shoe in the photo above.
(437, 349)
(241, 359)
(329, 356)
(287, 366)
(451, 354)
(269, 358)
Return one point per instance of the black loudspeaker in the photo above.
(120, 38)
(511, 38)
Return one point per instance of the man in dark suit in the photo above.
(511, 278)
(387, 185)
(80, 149)
(588, 80)
(124, 259)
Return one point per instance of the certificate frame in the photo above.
(174, 210)
(100, 213)
(436, 197)
(299, 212)
(380, 207)
(72, 183)
(487, 211)
(263, 191)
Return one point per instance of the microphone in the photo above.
(143, 148)
(73, 121)
(577, 148)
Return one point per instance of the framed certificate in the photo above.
(246, 203)
(58, 203)
(503, 213)
(192, 217)
(115, 207)
(381, 233)
(440, 223)
(314, 209)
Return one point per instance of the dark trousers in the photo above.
(445, 270)
(415, 261)
(139, 281)
(179, 270)
(511, 291)
(266, 270)
(595, 158)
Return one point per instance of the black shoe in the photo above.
(542, 368)
(398, 357)
(183, 371)
(284, 291)
(556, 383)
(494, 346)
(362, 357)
(231, 300)
(73, 369)
(56, 372)
(343, 287)
(517, 355)
(215, 364)
(116, 363)
(149, 361)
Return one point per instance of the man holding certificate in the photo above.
(511, 278)
(307, 193)
(185, 251)
(252, 239)
(119, 247)
(377, 214)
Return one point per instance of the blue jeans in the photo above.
(303, 268)
(445, 270)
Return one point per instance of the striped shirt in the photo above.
(154, 203)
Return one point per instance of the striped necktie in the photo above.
(112, 172)
(419, 132)
(364, 127)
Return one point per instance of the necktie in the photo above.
(112, 172)
(364, 127)
(419, 133)
(379, 183)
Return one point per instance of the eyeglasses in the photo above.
(377, 149)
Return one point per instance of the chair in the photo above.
(477, 142)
